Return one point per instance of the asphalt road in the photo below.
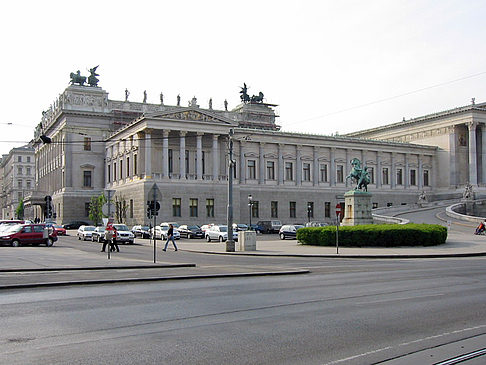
(344, 312)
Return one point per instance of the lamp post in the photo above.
(309, 209)
(250, 206)
(230, 243)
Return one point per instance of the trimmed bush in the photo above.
(375, 235)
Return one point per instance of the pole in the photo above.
(337, 234)
(230, 244)
(108, 246)
(154, 211)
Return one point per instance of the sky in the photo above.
(331, 66)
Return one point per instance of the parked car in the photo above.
(75, 224)
(28, 234)
(98, 234)
(270, 226)
(141, 231)
(240, 227)
(205, 227)
(61, 231)
(316, 224)
(123, 234)
(190, 231)
(157, 231)
(256, 228)
(220, 233)
(85, 232)
(289, 231)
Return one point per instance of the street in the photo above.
(344, 312)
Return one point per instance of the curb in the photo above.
(149, 279)
(91, 268)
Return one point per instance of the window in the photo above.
(371, 171)
(28, 171)
(114, 171)
(251, 170)
(385, 175)
(389, 204)
(399, 176)
(374, 205)
(306, 172)
(254, 209)
(29, 184)
(323, 173)
(270, 170)
(19, 184)
(310, 210)
(86, 209)
(121, 169)
(171, 161)
(187, 161)
(130, 212)
(412, 177)
(210, 208)
(202, 163)
(327, 209)
(274, 209)
(19, 159)
(28, 158)
(193, 207)
(176, 207)
(135, 167)
(339, 173)
(19, 170)
(426, 177)
(128, 166)
(292, 209)
(19, 196)
(289, 176)
(87, 143)
(109, 173)
(87, 179)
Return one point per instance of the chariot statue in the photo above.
(76, 78)
(359, 174)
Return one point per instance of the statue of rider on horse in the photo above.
(360, 175)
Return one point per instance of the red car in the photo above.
(61, 231)
(29, 234)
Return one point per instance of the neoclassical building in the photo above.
(126, 146)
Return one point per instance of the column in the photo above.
(298, 165)
(182, 155)
(315, 170)
(148, 155)
(483, 154)
(346, 168)
(280, 164)
(452, 156)
(379, 173)
(68, 163)
(332, 167)
(165, 154)
(242, 163)
(473, 173)
(261, 163)
(406, 176)
(215, 157)
(199, 155)
(420, 176)
(393, 173)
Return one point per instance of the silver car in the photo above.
(219, 233)
(85, 232)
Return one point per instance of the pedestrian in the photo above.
(108, 237)
(170, 237)
(113, 244)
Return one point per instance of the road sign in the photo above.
(154, 193)
(338, 209)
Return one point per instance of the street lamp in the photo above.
(309, 210)
(250, 206)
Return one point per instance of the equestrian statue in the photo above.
(360, 175)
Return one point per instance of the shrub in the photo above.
(375, 235)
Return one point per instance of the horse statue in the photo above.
(360, 175)
(76, 78)
(257, 98)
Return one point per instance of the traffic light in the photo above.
(48, 200)
(152, 208)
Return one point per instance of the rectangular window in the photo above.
(251, 169)
(131, 209)
(399, 176)
(28, 158)
(323, 173)
(187, 161)
(254, 209)
(193, 207)
(413, 181)
(171, 161)
(385, 175)
(29, 184)
(19, 184)
(426, 177)
(274, 209)
(310, 210)
(374, 206)
(114, 171)
(203, 162)
(86, 209)
(19, 159)
(128, 166)
(19, 170)
(292, 209)
(327, 209)
(19, 196)
(176, 207)
(109, 173)
(371, 171)
(135, 166)
(28, 171)
(87, 179)
(270, 170)
(339, 173)
(121, 169)
(87, 143)
(306, 172)
(210, 208)
(289, 175)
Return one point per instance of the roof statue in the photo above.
(245, 98)
(92, 79)
(76, 78)
(360, 175)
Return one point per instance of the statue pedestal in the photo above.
(357, 208)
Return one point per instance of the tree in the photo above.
(19, 212)
(121, 208)
(95, 206)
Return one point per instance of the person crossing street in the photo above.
(170, 237)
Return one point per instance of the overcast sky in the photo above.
(331, 66)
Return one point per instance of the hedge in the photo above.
(375, 235)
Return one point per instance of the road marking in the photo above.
(403, 298)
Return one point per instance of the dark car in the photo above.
(75, 224)
(190, 231)
(141, 231)
(29, 234)
(257, 228)
(289, 231)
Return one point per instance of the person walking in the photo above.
(170, 237)
(113, 244)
